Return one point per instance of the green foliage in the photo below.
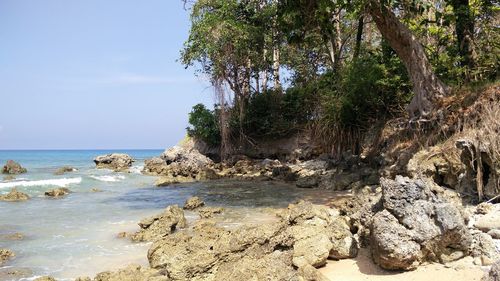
(274, 114)
(371, 87)
(204, 125)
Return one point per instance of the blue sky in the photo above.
(95, 74)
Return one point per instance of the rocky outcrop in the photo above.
(416, 226)
(14, 196)
(130, 273)
(494, 273)
(64, 170)
(180, 164)
(193, 203)
(209, 212)
(304, 237)
(58, 192)
(6, 255)
(13, 168)
(117, 162)
(161, 225)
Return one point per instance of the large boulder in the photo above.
(304, 237)
(161, 225)
(118, 162)
(13, 168)
(416, 226)
(14, 196)
(180, 164)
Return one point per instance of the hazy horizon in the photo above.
(87, 75)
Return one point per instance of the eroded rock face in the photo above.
(13, 168)
(58, 192)
(193, 203)
(118, 162)
(306, 235)
(415, 226)
(14, 196)
(5, 255)
(161, 225)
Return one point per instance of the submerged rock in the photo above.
(169, 180)
(5, 255)
(415, 226)
(193, 203)
(13, 168)
(161, 225)
(64, 170)
(45, 278)
(13, 236)
(118, 162)
(14, 196)
(9, 178)
(15, 273)
(58, 192)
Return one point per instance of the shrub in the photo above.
(204, 125)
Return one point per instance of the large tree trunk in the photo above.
(428, 88)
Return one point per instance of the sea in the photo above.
(77, 235)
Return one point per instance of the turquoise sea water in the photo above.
(77, 235)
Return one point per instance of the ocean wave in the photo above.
(108, 178)
(136, 169)
(55, 182)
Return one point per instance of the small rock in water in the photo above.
(193, 203)
(95, 190)
(122, 235)
(13, 168)
(64, 170)
(160, 225)
(45, 278)
(15, 273)
(209, 212)
(5, 255)
(14, 196)
(58, 192)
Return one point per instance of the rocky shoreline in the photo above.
(404, 222)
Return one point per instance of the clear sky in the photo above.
(96, 74)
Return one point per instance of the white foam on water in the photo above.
(55, 182)
(109, 178)
(136, 169)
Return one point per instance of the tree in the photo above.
(428, 88)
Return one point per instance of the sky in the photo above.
(94, 74)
